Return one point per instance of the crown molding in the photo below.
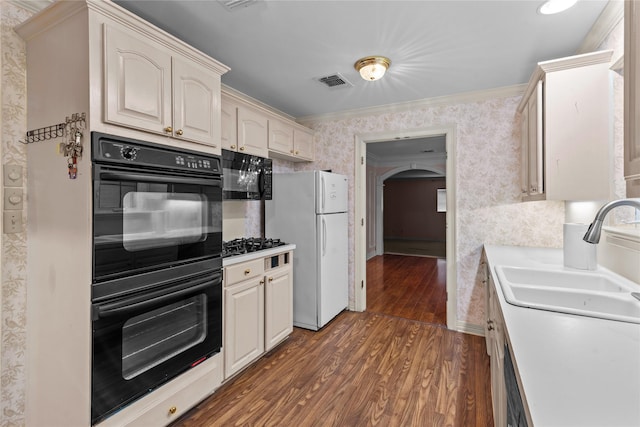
(461, 98)
(611, 16)
(33, 6)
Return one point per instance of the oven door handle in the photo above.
(129, 176)
(142, 302)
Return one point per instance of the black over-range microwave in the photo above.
(245, 177)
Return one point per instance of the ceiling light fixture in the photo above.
(372, 67)
(555, 6)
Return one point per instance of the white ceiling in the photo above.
(277, 48)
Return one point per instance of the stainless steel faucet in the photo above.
(593, 233)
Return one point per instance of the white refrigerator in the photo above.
(309, 209)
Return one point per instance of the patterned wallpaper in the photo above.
(487, 175)
(14, 246)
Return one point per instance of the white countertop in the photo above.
(257, 254)
(575, 370)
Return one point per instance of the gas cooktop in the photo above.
(252, 244)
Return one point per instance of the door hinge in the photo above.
(362, 222)
(362, 160)
(362, 284)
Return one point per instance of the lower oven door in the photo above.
(143, 340)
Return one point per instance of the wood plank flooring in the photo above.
(408, 286)
(362, 369)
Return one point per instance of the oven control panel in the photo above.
(115, 149)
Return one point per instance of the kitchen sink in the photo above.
(592, 281)
(595, 294)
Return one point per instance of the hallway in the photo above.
(410, 287)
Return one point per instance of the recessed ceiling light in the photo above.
(555, 6)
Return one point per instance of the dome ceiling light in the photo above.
(372, 67)
(551, 7)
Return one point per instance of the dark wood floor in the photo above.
(408, 286)
(393, 365)
(362, 369)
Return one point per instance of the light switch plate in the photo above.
(12, 175)
(12, 199)
(11, 222)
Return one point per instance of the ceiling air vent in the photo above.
(236, 4)
(334, 81)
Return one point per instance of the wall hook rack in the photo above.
(76, 121)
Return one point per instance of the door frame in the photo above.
(360, 189)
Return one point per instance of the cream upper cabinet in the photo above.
(289, 142)
(566, 147)
(196, 104)
(632, 98)
(229, 125)
(149, 88)
(252, 132)
(243, 128)
(303, 144)
(280, 137)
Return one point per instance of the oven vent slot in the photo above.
(335, 81)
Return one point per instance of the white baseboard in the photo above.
(470, 328)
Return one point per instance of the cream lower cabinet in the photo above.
(278, 311)
(258, 309)
(564, 117)
(243, 315)
(495, 338)
(150, 88)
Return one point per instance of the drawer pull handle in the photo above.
(173, 410)
(247, 271)
(179, 132)
(168, 129)
(241, 148)
(233, 147)
(270, 279)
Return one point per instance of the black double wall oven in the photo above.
(157, 267)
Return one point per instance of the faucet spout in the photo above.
(593, 233)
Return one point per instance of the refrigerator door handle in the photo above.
(322, 191)
(324, 237)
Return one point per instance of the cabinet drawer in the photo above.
(246, 270)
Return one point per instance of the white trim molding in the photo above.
(360, 251)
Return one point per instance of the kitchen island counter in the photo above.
(573, 370)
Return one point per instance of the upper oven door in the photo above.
(145, 220)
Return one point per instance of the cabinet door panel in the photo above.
(280, 137)
(138, 82)
(279, 307)
(229, 126)
(303, 144)
(196, 104)
(244, 325)
(252, 132)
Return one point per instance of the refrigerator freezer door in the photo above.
(333, 290)
(332, 193)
